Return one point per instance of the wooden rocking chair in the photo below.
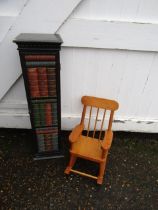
(91, 148)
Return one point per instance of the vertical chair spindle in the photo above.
(83, 115)
(95, 123)
(102, 124)
(110, 120)
(89, 120)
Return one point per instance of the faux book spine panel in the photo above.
(44, 113)
(41, 74)
(32, 75)
(42, 82)
(40, 63)
(40, 57)
(47, 139)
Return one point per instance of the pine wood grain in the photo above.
(92, 148)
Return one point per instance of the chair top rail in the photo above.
(100, 103)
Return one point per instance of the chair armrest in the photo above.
(106, 144)
(76, 132)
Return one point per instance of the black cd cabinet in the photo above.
(40, 62)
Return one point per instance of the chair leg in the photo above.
(101, 173)
(71, 164)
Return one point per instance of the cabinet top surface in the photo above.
(48, 38)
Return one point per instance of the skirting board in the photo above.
(119, 124)
(21, 120)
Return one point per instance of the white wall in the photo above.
(107, 52)
(118, 10)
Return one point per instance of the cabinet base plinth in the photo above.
(39, 156)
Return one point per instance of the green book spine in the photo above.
(36, 115)
(42, 114)
(40, 63)
(55, 142)
(54, 113)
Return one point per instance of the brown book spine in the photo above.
(51, 77)
(51, 89)
(40, 141)
(48, 114)
(42, 81)
(32, 75)
(40, 57)
(48, 142)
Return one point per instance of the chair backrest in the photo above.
(98, 103)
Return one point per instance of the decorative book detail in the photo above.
(40, 63)
(42, 82)
(47, 139)
(45, 113)
(36, 115)
(32, 74)
(42, 114)
(40, 57)
(48, 114)
(48, 142)
(51, 81)
(40, 142)
(54, 113)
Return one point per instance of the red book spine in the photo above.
(33, 82)
(40, 57)
(48, 114)
(47, 131)
(42, 81)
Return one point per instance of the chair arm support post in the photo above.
(76, 132)
(107, 141)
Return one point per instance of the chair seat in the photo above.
(87, 147)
